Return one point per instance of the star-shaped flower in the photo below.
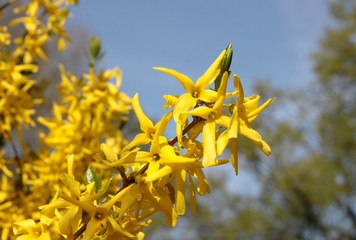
(146, 125)
(195, 92)
(244, 111)
(212, 115)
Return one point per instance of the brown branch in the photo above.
(195, 121)
(5, 5)
(80, 231)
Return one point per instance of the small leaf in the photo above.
(106, 189)
(91, 176)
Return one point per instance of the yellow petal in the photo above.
(180, 198)
(185, 103)
(238, 85)
(70, 162)
(221, 94)
(202, 112)
(208, 96)
(69, 222)
(92, 227)
(28, 225)
(130, 198)
(170, 101)
(202, 186)
(222, 142)
(161, 173)
(117, 198)
(223, 121)
(130, 157)
(160, 128)
(250, 133)
(186, 82)
(71, 183)
(119, 229)
(145, 123)
(164, 203)
(140, 139)
(88, 207)
(234, 156)
(264, 147)
(210, 74)
(234, 125)
(209, 143)
(253, 114)
(193, 200)
(169, 157)
(109, 152)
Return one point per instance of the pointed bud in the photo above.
(95, 47)
(225, 65)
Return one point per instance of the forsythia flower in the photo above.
(87, 181)
(29, 229)
(195, 92)
(16, 103)
(4, 36)
(244, 111)
(86, 114)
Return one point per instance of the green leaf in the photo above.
(104, 196)
(91, 176)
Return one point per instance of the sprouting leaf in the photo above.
(106, 189)
(91, 176)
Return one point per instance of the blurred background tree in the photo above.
(307, 186)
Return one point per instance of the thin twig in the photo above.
(80, 231)
(5, 5)
(195, 121)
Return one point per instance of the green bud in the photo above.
(91, 176)
(226, 62)
(95, 47)
(225, 65)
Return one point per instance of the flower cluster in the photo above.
(87, 181)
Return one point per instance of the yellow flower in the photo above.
(212, 115)
(146, 125)
(244, 112)
(5, 38)
(4, 170)
(29, 229)
(16, 103)
(195, 92)
(100, 216)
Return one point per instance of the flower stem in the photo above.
(195, 121)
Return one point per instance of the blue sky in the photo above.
(272, 41)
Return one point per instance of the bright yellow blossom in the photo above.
(244, 112)
(195, 92)
(4, 36)
(146, 125)
(28, 229)
(212, 115)
(87, 181)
